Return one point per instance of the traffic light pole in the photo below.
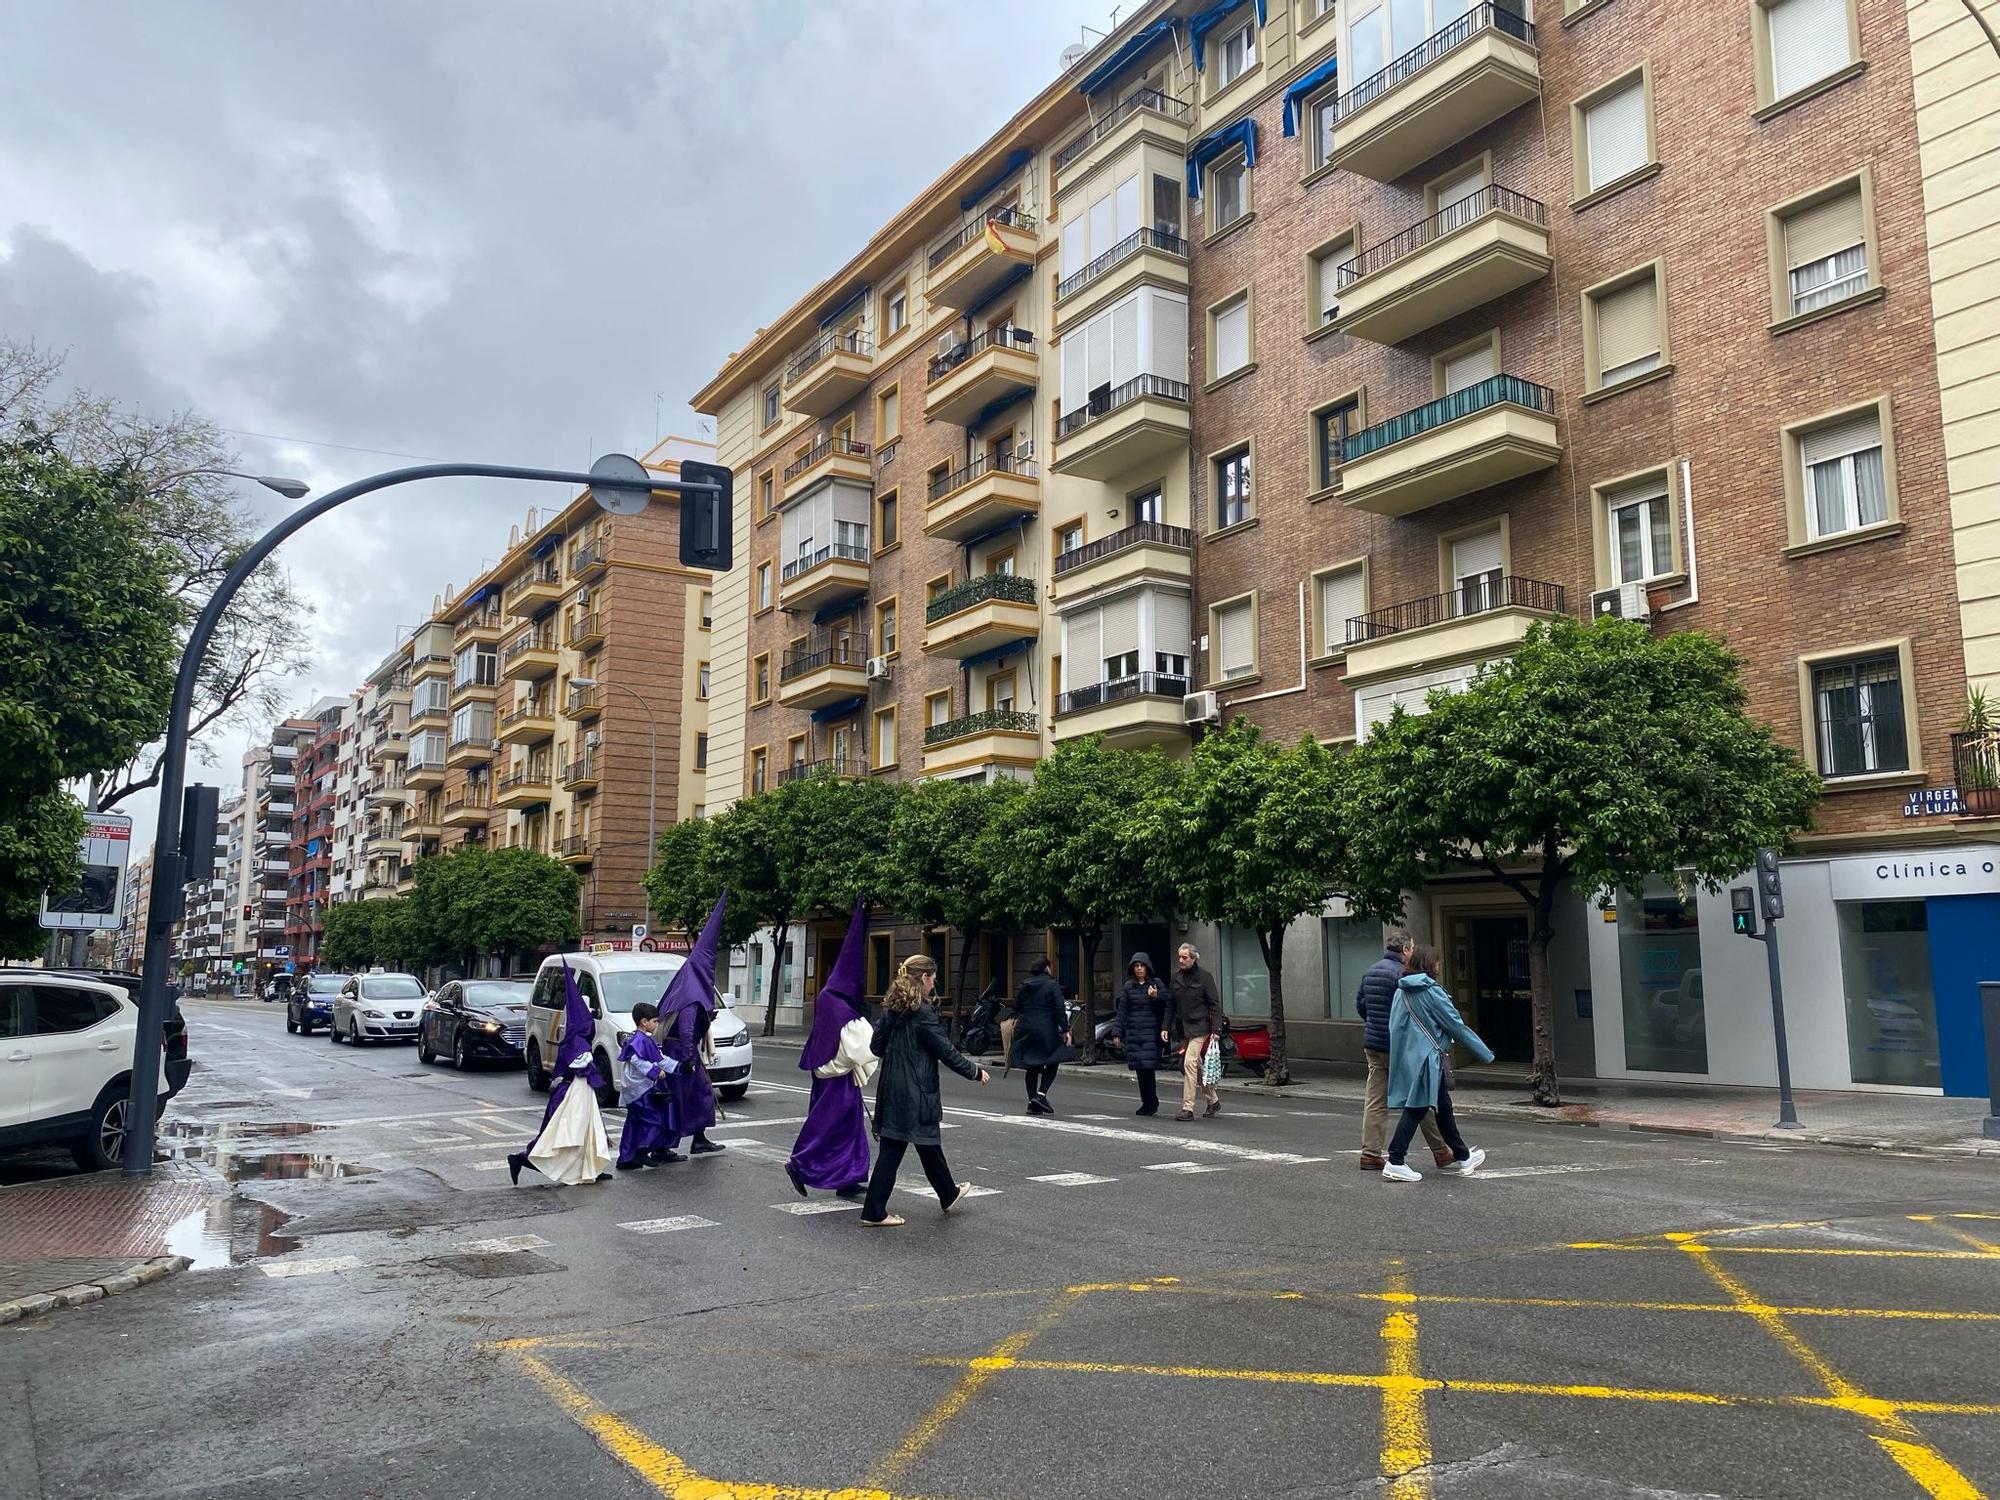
(1788, 1113)
(628, 483)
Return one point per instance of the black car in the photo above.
(311, 1001)
(474, 1020)
(175, 1032)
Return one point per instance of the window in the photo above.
(1339, 595)
(767, 494)
(771, 407)
(795, 751)
(1069, 538)
(1859, 714)
(1236, 55)
(936, 477)
(1235, 627)
(763, 585)
(1232, 488)
(888, 523)
(885, 737)
(58, 1010)
(707, 610)
(1821, 248)
(701, 681)
(1462, 368)
(1246, 978)
(1845, 482)
(1800, 43)
(1623, 329)
(1478, 567)
(1228, 192)
(1320, 116)
(1891, 994)
(1611, 133)
(935, 586)
(1000, 692)
(889, 415)
(1229, 335)
(760, 679)
(895, 310)
(1323, 281)
(475, 666)
(1660, 982)
(1147, 508)
(881, 961)
(937, 708)
(1332, 425)
(885, 626)
(760, 769)
(1350, 946)
(1639, 520)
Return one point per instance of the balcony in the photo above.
(980, 614)
(277, 838)
(275, 867)
(528, 787)
(485, 626)
(824, 670)
(1486, 434)
(277, 809)
(472, 750)
(535, 590)
(584, 703)
(1133, 711)
(582, 774)
(999, 736)
(574, 850)
(429, 714)
(529, 657)
(528, 723)
(472, 690)
(278, 781)
(847, 768)
(1975, 762)
(974, 263)
(586, 631)
(380, 845)
(830, 373)
(391, 746)
(384, 792)
(470, 808)
(588, 560)
(1456, 83)
(835, 572)
(429, 666)
(988, 371)
(829, 458)
(1146, 114)
(1478, 248)
(1139, 422)
(1484, 618)
(1147, 549)
(1154, 257)
(992, 491)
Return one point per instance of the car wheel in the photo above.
(353, 1032)
(461, 1054)
(538, 1076)
(104, 1147)
(733, 1090)
(333, 1030)
(291, 1025)
(607, 1097)
(424, 1053)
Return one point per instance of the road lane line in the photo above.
(1406, 1439)
(1072, 1179)
(506, 1245)
(1788, 1250)
(668, 1226)
(817, 1206)
(287, 1268)
(1185, 1168)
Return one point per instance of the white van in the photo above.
(613, 983)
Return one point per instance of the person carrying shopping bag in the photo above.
(1423, 1023)
(1197, 1014)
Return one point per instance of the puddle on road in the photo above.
(207, 1239)
(285, 1166)
(202, 1130)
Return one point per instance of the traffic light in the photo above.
(198, 830)
(1770, 885)
(708, 528)
(1743, 910)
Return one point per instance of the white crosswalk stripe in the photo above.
(1185, 1168)
(668, 1226)
(1072, 1179)
(817, 1206)
(319, 1267)
(504, 1246)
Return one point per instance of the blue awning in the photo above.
(1243, 133)
(1015, 161)
(545, 546)
(993, 654)
(1132, 46)
(478, 596)
(1303, 85)
(845, 708)
(1208, 20)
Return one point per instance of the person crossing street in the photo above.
(1197, 1014)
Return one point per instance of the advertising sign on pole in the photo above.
(94, 903)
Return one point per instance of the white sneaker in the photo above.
(1394, 1173)
(1467, 1167)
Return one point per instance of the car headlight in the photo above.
(738, 1040)
(490, 1026)
(624, 1037)
(375, 1015)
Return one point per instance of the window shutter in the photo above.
(1342, 596)
(1626, 325)
(1075, 243)
(1170, 337)
(1824, 229)
(1101, 223)
(1126, 212)
(1808, 41)
(1232, 337)
(1468, 369)
(1474, 555)
(1236, 646)
(1083, 662)
(1852, 434)
(1121, 626)
(1124, 341)
(1170, 624)
(1615, 134)
(1075, 385)
(1097, 352)
(1461, 187)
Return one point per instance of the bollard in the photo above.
(1989, 1006)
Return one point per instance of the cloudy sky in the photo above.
(482, 229)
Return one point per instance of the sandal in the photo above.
(958, 1197)
(888, 1221)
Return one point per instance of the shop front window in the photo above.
(1246, 983)
(1885, 969)
(1349, 945)
(1659, 972)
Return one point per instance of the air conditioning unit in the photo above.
(1626, 602)
(1201, 708)
(878, 669)
(948, 344)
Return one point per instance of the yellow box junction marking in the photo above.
(1406, 1437)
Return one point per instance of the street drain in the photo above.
(493, 1265)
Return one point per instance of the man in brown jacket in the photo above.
(1197, 1009)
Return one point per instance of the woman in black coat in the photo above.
(909, 1108)
(1141, 1024)
(1041, 1035)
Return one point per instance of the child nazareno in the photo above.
(643, 1071)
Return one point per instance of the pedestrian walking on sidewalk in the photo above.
(1197, 1012)
(1041, 1035)
(1141, 1024)
(1423, 1023)
(1372, 1002)
(909, 1107)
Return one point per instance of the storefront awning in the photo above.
(1132, 46)
(1306, 84)
(1243, 133)
(1208, 20)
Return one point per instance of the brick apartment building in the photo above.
(1289, 360)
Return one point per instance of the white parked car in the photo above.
(613, 983)
(66, 1064)
(378, 1007)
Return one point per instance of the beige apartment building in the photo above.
(1289, 360)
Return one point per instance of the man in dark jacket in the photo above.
(1372, 999)
(1198, 1018)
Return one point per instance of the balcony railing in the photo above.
(1012, 217)
(839, 341)
(534, 640)
(541, 574)
(823, 449)
(586, 627)
(1143, 685)
(991, 721)
(851, 765)
(1475, 596)
(1443, 222)
(1007, 586)
(591, 554)
(1153, 99)
(473, 741)
(1136, 389)
(1428, 51)
(1975, 763)
(585, 701)
(583, 768)
(849, 651)
(1007, 337)
(533, 708)
(485, 620)
(1021, 461)
(1497, 390)
(576, 846)
(845, 551)
(533, 776)
(1140, 532)
(1132, 244)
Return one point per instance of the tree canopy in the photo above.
(496, 901)
(940, 853)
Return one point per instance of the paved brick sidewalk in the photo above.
(98, 1230)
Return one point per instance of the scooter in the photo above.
(982, 1031)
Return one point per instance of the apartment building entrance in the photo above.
(1486, 970)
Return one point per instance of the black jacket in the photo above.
(1373, 997)
(1142, 1017)
(1197, 1007)
(908, 1104)
(1040, 1019)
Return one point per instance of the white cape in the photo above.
(572, 1148)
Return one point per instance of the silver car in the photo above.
(378, 1008)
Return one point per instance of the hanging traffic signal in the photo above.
(1770, 885)
(707, 516)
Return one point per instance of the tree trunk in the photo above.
(780, 931)
(1542, 1005)
(1279, 1072)
(958, 989)
(1089, 941)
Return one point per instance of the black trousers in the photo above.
(1038, 1080)
(1149, 1093)
(889, 1161)
(1406, 1129)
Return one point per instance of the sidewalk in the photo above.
(72, 1240)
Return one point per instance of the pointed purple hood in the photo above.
(839, 998)
(579, 1025)
(694, 981)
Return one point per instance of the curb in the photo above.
(135, 1275)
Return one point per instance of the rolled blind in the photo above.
(1626, 325)
(1101, 222)
(1808, 41)
(1824, 229)
(1126, 213)
(1476, 554)
(1468, 369)
(1232, 337)
(1615, 134)
(1461, 187)
(1121, 625)
(1075, 376)
(1125, 341)
(1342, 596)
(1170, 335)
(1853, 434)
(1097, 351)
(892, 415)
(1075, 245)
(1236, 645)
(1170, 623)
(1083, 662)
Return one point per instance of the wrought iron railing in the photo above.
(485, 619)
(1005, 337)
(576, 846)
(1144, 685)
(526, 641)
(1021, 461)
(540, 574)
(1013, 218)
(1453, 216)
(587, 555)
(1135, 389)
(1464, 29)
(472, 799)
(1139, 532)
(532, 776)
(532, 708)
(1498, 390)
(990, 721)
(586, 628)
(580, 770)
(1118, 114)
(843, 551)
(1975, 763)
(473, 742)
(1475, 596)
(823, 449)
(835, 341)
(846, 651)
(799, 770)
(1132, 244)
(1008, 586)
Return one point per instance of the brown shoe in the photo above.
(1186, 1114)
(1443, 1158)
(1370, 1163)
(1214, 1109)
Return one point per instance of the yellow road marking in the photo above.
(1406, 1438)
(1783, 1250)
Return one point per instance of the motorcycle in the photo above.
(982, 1029)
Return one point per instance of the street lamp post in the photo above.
(652, 765)
(618, 483)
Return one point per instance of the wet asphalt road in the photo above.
(1138, 1308)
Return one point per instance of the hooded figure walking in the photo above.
(686, 1010)
(832, 1149)
(570, 1147)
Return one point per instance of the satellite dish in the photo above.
(1072, 55)
(620, 501)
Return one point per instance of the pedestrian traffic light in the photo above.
(708, 528)
(1743, 910)
(198, 829)
(1770, 886)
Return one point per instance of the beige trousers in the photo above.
(1191, 1074)
(1375, 1112)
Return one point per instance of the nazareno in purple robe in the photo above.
(579, 1032)
(832, 1148)
(648, 1114)
(685, 1011)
